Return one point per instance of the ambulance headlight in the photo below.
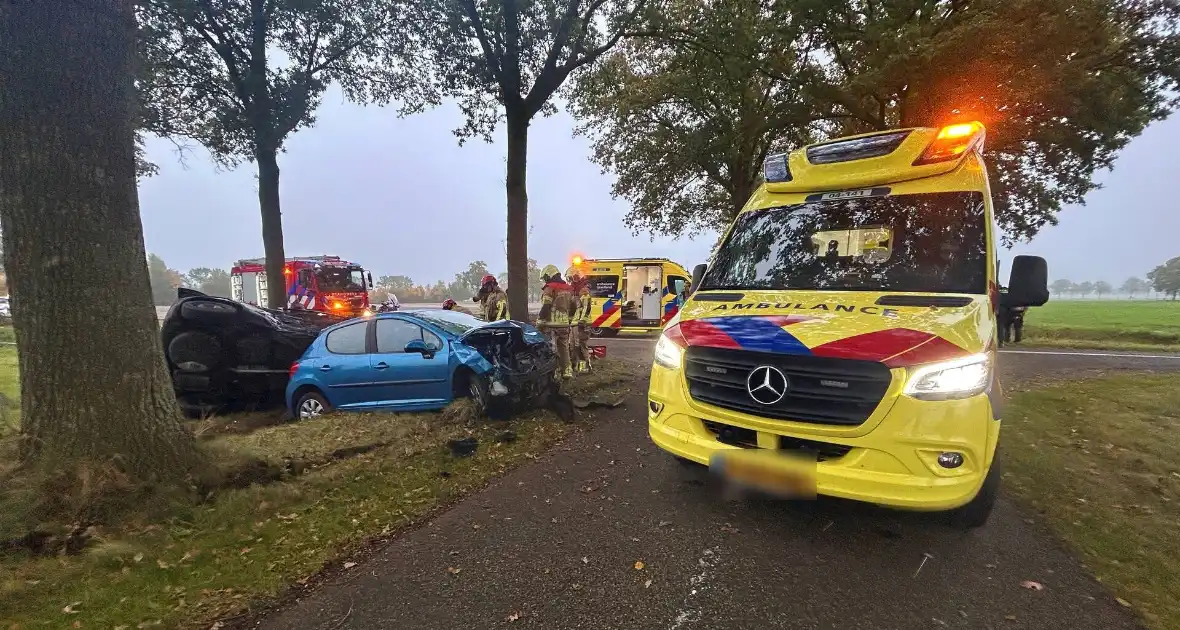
(950, 380)
(670, 347)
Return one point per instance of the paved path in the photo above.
(555, 545)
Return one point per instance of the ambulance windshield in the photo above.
(931, 243)
(341, 279)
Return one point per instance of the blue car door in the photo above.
(409, 380)
(344, 370)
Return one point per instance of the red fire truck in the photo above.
(315, 283)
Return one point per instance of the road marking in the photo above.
(689, 611)
(1094, 354)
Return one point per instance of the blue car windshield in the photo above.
(451, 321)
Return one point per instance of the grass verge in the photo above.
(359, 478)
(1100, 459)
(1105, 325)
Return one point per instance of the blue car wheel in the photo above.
(310, 405)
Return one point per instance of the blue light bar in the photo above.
(776, 169)
(857, 148)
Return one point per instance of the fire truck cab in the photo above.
(316, 283)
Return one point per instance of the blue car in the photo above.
(420, 360)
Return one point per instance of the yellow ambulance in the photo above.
(842, 339)
(633, 295)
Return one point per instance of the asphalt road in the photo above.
(555, 544)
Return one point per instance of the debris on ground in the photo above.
(505, 437)
(465, 447)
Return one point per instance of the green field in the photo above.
(1127, 324)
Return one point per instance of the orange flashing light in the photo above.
(577, 260)
(953, 141)
(287, 271)
(337, 305)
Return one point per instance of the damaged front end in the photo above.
(519, 365)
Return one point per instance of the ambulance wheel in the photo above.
(975, 514)
(207, 311)
(194, 351)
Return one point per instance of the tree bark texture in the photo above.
(272, 226)
(518, 217)
(94, 384)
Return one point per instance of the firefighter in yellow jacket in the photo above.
(557, 309)
(580, 332)
(493, 301)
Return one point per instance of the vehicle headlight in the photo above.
(950, 380)
(668, 352)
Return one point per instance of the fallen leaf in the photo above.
(69, 609)
(729, 529)
(453, 570)
(585, 560)
(639, 565)
(1122, 602)
(138, 557)
(513, 617)
(77, 624)
(1010, 617)
(349, 565)
(162, 564)
(1033, 586)
(244, 551)
(665, 523)
(647, 584)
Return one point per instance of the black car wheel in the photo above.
(312, 404)
(194, 351)
(477, 391)
(207, 311)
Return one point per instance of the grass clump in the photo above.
(1100, 459)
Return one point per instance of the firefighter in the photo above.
(557, 309)
(450, 305)
(493, 302)
(580, 338)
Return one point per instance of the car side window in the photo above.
(394, 334)
(431, 339)
(348, 340)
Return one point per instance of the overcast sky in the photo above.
(401, 197)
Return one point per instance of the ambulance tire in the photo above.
(194, 351)
(253, 350)
(207, 311)
(975, 513)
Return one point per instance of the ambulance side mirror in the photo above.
(698, 273)
(1028, 284)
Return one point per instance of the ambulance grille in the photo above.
(821, 390)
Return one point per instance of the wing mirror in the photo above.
(419, 347)
(698, 273)
(1028, 284)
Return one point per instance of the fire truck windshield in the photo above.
(341, 280)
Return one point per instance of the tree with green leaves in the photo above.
(210, 281)
(1085, 288)
(164, 281)
(1166, 278)
(1134, 286)
(1062, 287)
(684, 111)
(240, 76)
(397, 285)
(1102, 288)
(95, 390)
(503, 60)
(1061, 85)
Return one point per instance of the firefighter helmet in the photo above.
(548, 272)
(449, 304)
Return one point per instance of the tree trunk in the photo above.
(518, 217)
(272, 226)
(94, 385)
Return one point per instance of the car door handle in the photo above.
(325, 368)
(381, 366)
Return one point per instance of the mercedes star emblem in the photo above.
(767, 385)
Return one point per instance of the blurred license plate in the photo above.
(768, 471)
